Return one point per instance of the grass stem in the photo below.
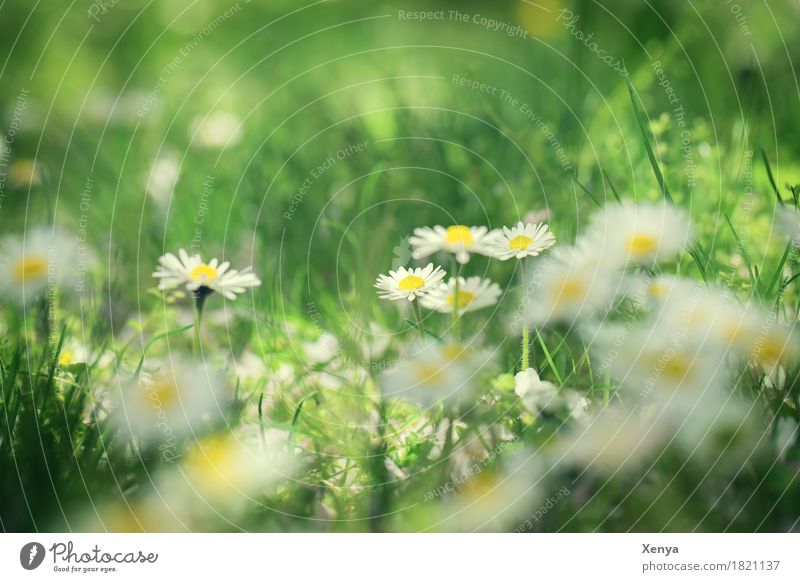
(199, 303)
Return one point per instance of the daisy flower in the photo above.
(473, 293)
(614, 440)
(435, 372)
(764, 341)
(523, 240)
(202, 278)
(717, 432)
(535, 394)
(655, 292)
(574, 284)
(642, 234)
(714, 320)
(655, 363)
(31, 263)
(227, 469)
(74, 352)
(143, 513)
(174, 402)
(492, 497)
(409, 283)
(459, 240)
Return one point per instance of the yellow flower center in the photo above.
(481, 488)
(732, 333)
(570, 290)
(428, 373)
(676, 368)
(771, 351)
(642, 244)
(66, 358)
(519, 243)
(455, 351)
(411, 282)
(657, 290)
(464, 299)
(28, 269)
(459, 234)
(214, 465)
(211, 455)
(207, 272)
(164, 392)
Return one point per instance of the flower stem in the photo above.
(526, 339)
(418, 316)
(199, 302)
(456, 306)
(526, 348)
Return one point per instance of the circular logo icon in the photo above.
(31, 555)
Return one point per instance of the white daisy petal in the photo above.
(459, 240)
(193, 274)
(409, 284)
(473, 293)
(521, 241)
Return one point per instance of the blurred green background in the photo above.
(110, 93)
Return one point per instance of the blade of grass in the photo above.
(740, 244)
(10, 403)
(549, 358)
(771, 177)
(611, 185)
(49, 387)
(642, 122)
(697, 253)
(779, 270)
(589, 194)
(296, 419)
(154, 340)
